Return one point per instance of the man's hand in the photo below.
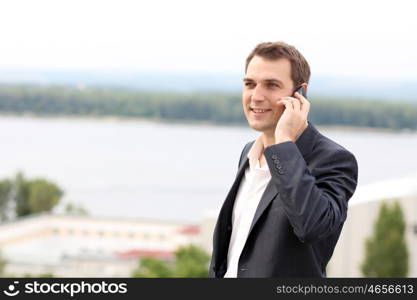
(293, 120)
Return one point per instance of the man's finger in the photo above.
(288, 104)
(300, 98)
(306, 105)
(290, 100)
(281, 101)
(297, 104)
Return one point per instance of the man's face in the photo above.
(265, 82)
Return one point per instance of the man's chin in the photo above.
(260, 127)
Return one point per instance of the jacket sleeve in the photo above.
(315, 204)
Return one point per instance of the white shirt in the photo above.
(250, 191)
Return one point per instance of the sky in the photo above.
(374, 39)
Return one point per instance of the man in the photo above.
(285, 211)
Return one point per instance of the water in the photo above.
(143, 169)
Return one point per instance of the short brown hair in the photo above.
(300, 70)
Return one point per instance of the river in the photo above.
(143, 169)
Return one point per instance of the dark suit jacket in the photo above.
(300, 215)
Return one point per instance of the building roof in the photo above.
(139, 253)
(400, 187)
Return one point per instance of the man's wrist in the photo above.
(282, 139)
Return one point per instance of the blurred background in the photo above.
(121, 126)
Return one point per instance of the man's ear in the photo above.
(305, 85)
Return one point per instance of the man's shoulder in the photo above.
(327, 153)
(246, 150)
(248, 145)
(324, 144)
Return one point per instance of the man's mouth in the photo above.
(259, 111)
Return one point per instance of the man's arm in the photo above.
(316, 206)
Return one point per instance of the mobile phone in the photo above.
(302, 91)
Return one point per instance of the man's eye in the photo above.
(273, 85)
(249, 84)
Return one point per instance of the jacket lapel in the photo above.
(268, 195)
(243, 165)
(227, 207)
(233, 191)
(222, 235)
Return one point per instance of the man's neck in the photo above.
(268, 139)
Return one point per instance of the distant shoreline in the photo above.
(186, 122)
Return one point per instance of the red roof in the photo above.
(191, 230)
(137, 253)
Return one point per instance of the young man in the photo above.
(285, 210)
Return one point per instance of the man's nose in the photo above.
(258, 94)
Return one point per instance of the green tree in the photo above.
(153, 268)
(20, 197)
(5, 194)
(73, 209)
(42, 195)
(386, 253)
(43, 275)
(3, 264)
(190, 261)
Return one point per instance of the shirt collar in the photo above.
(304, 143)
(254, 154)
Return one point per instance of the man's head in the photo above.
(272, 71)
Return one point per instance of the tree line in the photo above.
(215, 107)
